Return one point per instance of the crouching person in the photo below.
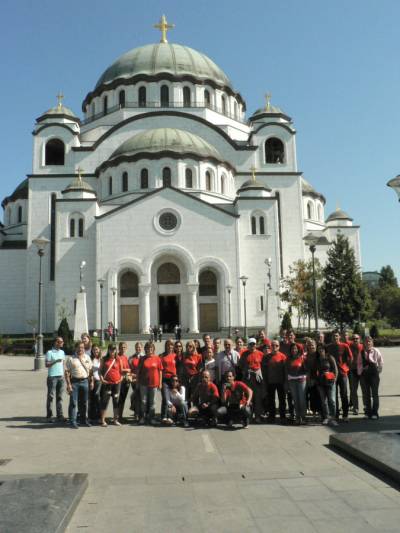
(236, 400)
(176, 402)
(205, 399)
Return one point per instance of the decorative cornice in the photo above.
(54, 125)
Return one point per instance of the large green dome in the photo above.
(164, 58)
(167, 139)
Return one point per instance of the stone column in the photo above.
(144, 307)
(193, 321)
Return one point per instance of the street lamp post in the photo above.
(101, 282)
(244, 279)
(114, 293)
(41, 244)
(81, 267)
(229, 289)
(395, 185)
(315, 294)
(268, 263)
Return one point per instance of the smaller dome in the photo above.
(339, 214)
(167, 139)
(58, 111)
(272, 110)
(308, 190)
(253, 184)
(78, 184)
(20, 193)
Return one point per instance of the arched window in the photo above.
(223, 184)
(186, 97)
(166, 177)
(223, 105)
(208, 181)
(124, 182)
(72, 227)
(236, 110)
(110, 186)
(54, 152)
(262, 225)
(142, 97)
(207, 98)
(164, 96)
(168, 274)
(8, 215)
(188, 178)
(253, 225)
(19, 217)
(310, 211)
(80, 227)
(144, 178)
(208, 283)
(129, 285)
(105, 105)
(121, 98)
(93, 109)
(274, 151)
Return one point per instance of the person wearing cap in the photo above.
(274, 369)
(250, 367)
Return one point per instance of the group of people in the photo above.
(217, 382)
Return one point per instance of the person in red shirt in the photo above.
(250, 368)
(263, 340)
(110, 373)
(274, 369)
(284, 348)
(168, 361)
(126, 378)
(150, 378)
(135, 396)
(236, 401)
(191, 369)
(356, 348)
(343, 357)
(205, 399)
(240, 346)
(296, 377)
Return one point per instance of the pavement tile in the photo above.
(338, 483)
(300, 481)
(384, 519)
(282, 524)
(340, 525)
(273, 507)
(268, 488)
(326, 509)
(367, 500)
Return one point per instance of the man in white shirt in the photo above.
(55, 379)
(227, 361)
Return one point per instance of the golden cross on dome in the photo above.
(60, 98)
(268, 97)
(253, 173)
(163, 26)
(79, 171)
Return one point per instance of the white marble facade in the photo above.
(172, 174)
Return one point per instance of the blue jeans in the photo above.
(181, 412)
(55, 385)
(298, 391)
(328, 400)
(78, 396)
(148, 396)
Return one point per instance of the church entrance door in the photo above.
(208, 317)
(168, 311)
(129, 319)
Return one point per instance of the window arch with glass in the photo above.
(207, 98)
(129, 285)
(164, 96)
(76, 225)
(208, 284)
(208, 181)
(274, 151)
(105, 105)
(186, 97)
(223, 105)
(310, 210)
(189, 178)
(19, 214)
(168, 274)
(124, 182)
(166, 177)
(257, 224)
(142, 97)
(223, 184)
(54, 153)
(144, 178)
(110, 186)
(121, 98)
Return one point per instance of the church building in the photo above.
(185, 207)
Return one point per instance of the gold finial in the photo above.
(163, 26)
(337, 206)
(60, 98)
(268, 97)
(79, 171)
(253, 173)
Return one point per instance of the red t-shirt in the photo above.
(192, 364)
(124, 362)
(265, 342)
(205, 393)
(238, 393)
(169, 365)
(254, 360)
(111, 367)
(343, 356)
(150, 371)
(134, 363)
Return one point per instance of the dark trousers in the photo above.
(313, 398)
(258, 394)
(354, 381)
(136, 404)
(108, 391)
(279, 389)
(342, 387)
(55, 388)
(370, 387)
(233, 413)
(164, 407)
(209, 412)
(190, 383)
(78, 399)
(181, 412)
(123, 393)
(94, 401)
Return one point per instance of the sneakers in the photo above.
(74, 425)
(375, 417)
(230, 423)
(325, 422)
(116, 423)
(355, 412)
(334, 422)
(186, 424)
(345, 419)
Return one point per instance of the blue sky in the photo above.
(332, 66)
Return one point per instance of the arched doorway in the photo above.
(169, 297)
(208, 300)
(129, 302)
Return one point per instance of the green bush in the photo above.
(286, 322)
(374, 332)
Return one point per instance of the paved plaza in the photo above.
(162, 479)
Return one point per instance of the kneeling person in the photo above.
(205, 399)
(236, 400)
(176, 404)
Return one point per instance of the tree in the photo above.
(344, 297)
(66, 334)
(286, 324)
(298, 288)
(387, 279)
